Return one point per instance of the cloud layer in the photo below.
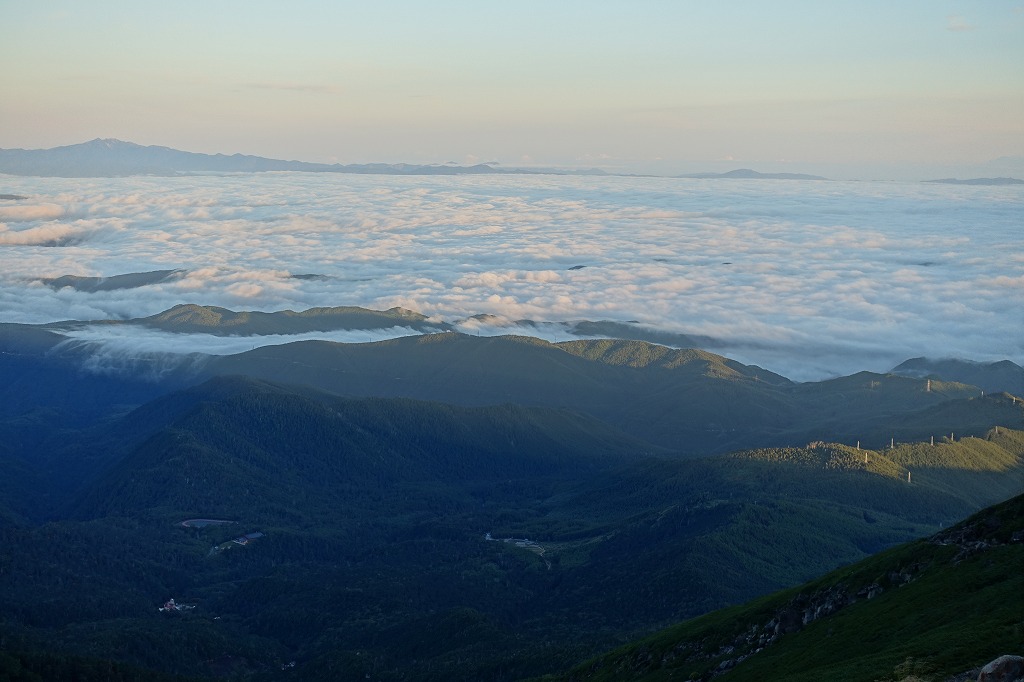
(809, 279)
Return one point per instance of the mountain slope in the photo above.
(692, 402)
(689, 401)
(40, 368)
(413, 540)
(242, 447)
(653, 403)
(932, 608)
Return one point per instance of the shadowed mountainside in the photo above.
(929, 610)
(373, 557)
(688, 401)
(692, 402)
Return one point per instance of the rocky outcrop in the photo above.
(713, 656)
(798, 613)
(972, 538)
(806, 608)
(1003, 669)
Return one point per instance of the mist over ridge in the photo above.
(806, 279)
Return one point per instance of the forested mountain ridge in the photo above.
(693, 402)
(689, 401)
(237, 444)
(416, 540)
(443, 506)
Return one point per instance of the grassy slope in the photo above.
(716, 531)
(946, 605)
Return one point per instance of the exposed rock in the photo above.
(789, 620)
(1004, 669)
(869, 592)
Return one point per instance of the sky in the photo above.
(866, 89)
(810, 279)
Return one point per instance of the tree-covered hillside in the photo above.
(929, 610)
(443, 507)
(692, 402)
(411, 540)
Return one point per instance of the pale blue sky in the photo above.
(845, 88)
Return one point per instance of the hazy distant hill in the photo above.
(223, 322)
(979, 181)
(111, 158)
(192, 318)
(132, 280)
(989, 376)
(748, 174)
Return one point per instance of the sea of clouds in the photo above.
(808, 279)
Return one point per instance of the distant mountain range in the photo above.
(191, 318)
(993, 377)
(979, 181)
(687, 400)
(747, 174)
(110, 157)
(116, 158)
(989, 376)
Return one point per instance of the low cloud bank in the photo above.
(808, 280)
(125, 341)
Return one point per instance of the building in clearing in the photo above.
(244, 540)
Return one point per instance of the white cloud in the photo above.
(23, 212)
(958, 24)
(49, 234)
(122, 341)
(805, 278)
